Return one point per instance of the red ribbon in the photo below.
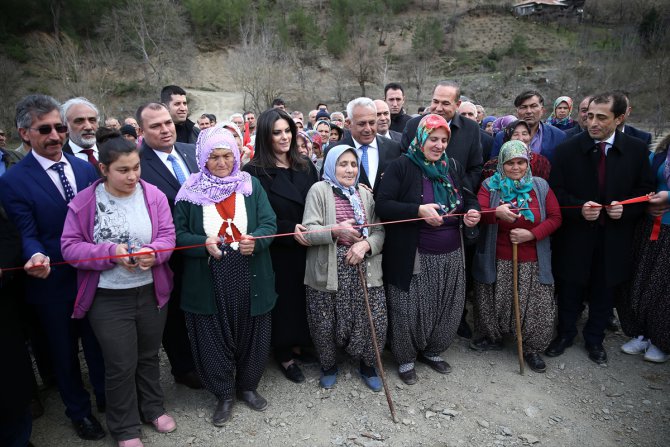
(656, 229)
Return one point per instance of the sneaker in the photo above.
(328, 378)
(164, 424)
(635, 345)
(655, 355)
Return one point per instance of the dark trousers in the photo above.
(15, 431)
(571, 296)
(175, 337)
(63, 334)
(129, 326)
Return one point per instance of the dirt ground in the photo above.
(483, 402)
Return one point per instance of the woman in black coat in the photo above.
(286, 176)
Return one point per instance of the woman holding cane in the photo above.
(526, 214)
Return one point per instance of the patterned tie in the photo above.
(60, 168)
(364, 160)
(91, 157)
(181, 177)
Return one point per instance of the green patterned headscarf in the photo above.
(445, 193)
(516, 192)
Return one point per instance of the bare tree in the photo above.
(363, 60)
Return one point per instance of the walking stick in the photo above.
(517, 312)
(378, 356)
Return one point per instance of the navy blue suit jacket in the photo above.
(551, 137)
(637, 133)
(155, 172)
(38, 210)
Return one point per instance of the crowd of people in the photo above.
(227, 242)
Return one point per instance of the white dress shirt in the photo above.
(46, 164)
(77, 151)
(608, 143)
(168, 164)
(373, 159)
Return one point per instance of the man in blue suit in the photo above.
(167, 164)
(35, 194)
(544, 137)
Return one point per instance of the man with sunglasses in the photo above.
(35, 194)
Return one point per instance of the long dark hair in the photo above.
(111, 145)
(264, 156)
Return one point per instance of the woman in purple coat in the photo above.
(123, 297)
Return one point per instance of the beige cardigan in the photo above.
(321, 269)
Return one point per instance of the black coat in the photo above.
(388, 149)
(287, 190)
(399, 197)
(486, 141)
(574, 180)
(399, 121)
(637, 133)
(155, 172)
(464, 145)
(187, 132)
(68, 150)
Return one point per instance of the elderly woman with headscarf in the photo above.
(423, 259)
(526, 214)
(520, 130)
(336, 208)
(246, 152)
(501, 123)
(560, 116)
(487, 124)
(219, 214)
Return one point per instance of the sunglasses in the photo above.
(46, 129)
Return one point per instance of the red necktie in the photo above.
(601, 169)
(91, 157)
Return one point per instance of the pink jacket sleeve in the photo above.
(76, 245)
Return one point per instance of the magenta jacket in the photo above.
(77, 243)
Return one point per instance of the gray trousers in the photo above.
(129, 327)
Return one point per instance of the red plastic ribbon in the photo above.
(656, 229)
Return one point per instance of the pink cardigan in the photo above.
(77, 243)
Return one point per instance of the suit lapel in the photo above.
(80, 176)
(157, 165)
(381, 151)
(41, 178)
(188, 158)
(282, 186)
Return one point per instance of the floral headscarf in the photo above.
(502, 122)
(329, 167)
(204, 188)
(516, 192)
(445, 193)
(562, 121)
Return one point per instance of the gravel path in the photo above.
(483, 402)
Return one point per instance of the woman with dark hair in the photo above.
(286, 176)
(423, 260)
(228, 300)
(122, 227)
(336, 134)
(644, 307)
(526, 213)
(519, 130)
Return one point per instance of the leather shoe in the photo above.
(408, 377)
(293, 373)
(440, 365)
(535, 362)
(253, 399)
(224, 409)
(612, 324)
(190, 379)
(597, 353)
(89, 428)
(557, 346)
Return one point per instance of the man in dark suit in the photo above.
(82, 119)
(627, 128)
(592, 249)
(582, 114)
(374, 152)
(35, 194)
(464, 146)
(383, 121)
(167, 164)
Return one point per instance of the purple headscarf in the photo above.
(502, 122)
(204, 188)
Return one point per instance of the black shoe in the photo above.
(89, 428)
(612, 324)
(486, 344)
(254, 400)
(408, 377)
(224, 409)
(464, 329)
(535, 362)
(440, 365)
(557, 346)
(293, 373)
(597, 353)
(190, 379)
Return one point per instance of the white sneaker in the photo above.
(636, 345)
(655, 355)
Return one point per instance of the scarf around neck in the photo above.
(516, 192)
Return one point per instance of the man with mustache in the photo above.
(82, 119)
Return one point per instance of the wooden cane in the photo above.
(517, 312)
(378, 356)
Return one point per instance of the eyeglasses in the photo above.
(46, 129)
